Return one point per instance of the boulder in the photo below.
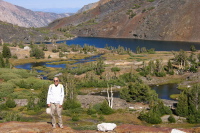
(106, 127)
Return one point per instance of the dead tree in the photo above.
(110, 96)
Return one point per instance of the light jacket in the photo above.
(55, 94)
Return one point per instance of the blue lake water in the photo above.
(29, 66)
(132, 43)
(163, 91)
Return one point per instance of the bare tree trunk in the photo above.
(111, 101)
(110, 97)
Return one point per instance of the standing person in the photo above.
(55, 99)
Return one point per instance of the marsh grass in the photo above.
(46, 69)
(174, 96)
(62, 62)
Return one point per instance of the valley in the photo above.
(109, 46)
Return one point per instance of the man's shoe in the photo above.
(61, 126)
(54, 126)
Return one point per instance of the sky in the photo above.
(42, 5)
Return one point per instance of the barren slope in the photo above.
(174, 20)
(26, 18)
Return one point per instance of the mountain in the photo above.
(57, 10)
(10, 33)
(92, 6)
(26, 18)
(169, 20)
(88, 7)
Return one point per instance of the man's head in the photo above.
(55, 80)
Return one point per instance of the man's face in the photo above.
(56, 81)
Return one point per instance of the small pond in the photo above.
(163, 91)
(29, 66)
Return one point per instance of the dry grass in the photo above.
(125, 118)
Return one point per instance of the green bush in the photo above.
(9, 76)
(6, 89)
(10, 103)
(97, 107)
(3, 107)
(101, 118)
(37, 53)
(75, 118)
(10, 116)
(150, 117)
(154, 119)
(105, 109)
(71, 104)
(24, 94)
(171, 119)
(91, 111)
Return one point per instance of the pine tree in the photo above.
(37, 53)
(100, 66)
(182, 106)
(6, 52)
(2, 63)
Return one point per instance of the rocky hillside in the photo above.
(12, 33)
(174, 20)
(26, 18)
(92, 6)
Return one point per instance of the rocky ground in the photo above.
(45, 127)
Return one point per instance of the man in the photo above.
(55, 99)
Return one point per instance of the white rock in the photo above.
(106, 127)
(177, 131)
(131, 107)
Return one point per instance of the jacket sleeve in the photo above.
(62, 95)
(49, 95)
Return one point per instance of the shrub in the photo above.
(91, 111)
(6, 52)
(10, 103)
(75, 118)
(105, 109)
(154, 119)
(3, 107)
(150, 117)
(71, 104)
(9, 76)
(6, 89)
(10, 116)
(171, 119)
(37, 53)
(101, 118)
(15, 56)
(97, 107)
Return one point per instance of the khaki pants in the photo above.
(56, 110)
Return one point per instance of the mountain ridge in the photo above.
(24, 17)
(156, 20)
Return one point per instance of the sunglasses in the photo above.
(55, 80)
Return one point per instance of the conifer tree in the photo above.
(100, 66)
(2, 64)
(6, 52)
(182, 106)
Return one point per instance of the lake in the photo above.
(132, 43)
(163, 91)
